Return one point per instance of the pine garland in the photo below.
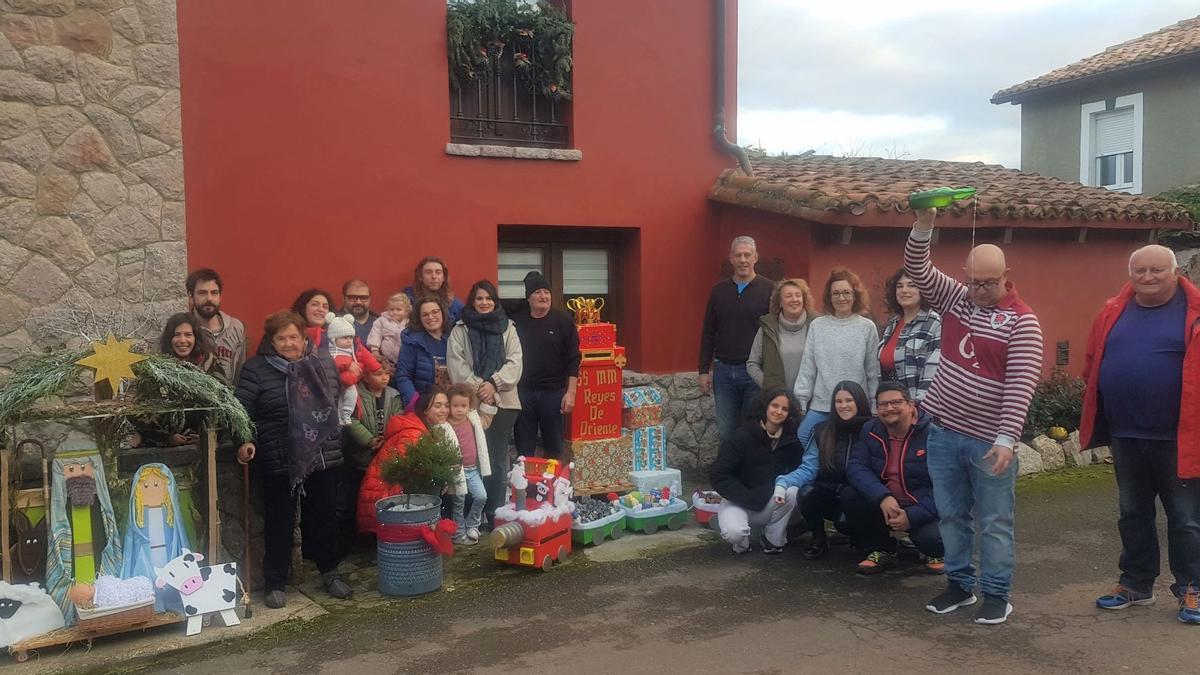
(539, 36)
(44, 377)
(426, 466)
(164, 386)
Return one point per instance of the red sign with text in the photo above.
(597, 413)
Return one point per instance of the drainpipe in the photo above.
(723, 141)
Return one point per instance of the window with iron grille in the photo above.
(510, 66)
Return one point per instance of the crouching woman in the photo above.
(746, 467)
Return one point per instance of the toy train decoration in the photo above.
(534, 528)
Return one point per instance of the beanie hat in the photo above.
(534, 281)
(339, 326)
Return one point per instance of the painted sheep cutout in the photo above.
(26, 611)
(205, 590)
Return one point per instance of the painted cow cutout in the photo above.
(204, 590)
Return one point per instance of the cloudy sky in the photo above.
(913, 78)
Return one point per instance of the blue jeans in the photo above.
(808, 426)
(734, 389)
(963, 481)
(1146, 469)
(478, 500)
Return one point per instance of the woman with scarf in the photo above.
(819, 500)
(485, 352)
(290, 391)
(183, 339)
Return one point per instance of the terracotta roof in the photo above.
(829, 189)
(1176, 40)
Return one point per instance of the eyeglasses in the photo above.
(884, 405)
(842, 294)
(359, 298)
(985, 285)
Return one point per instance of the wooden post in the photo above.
(214, 520)
(5, 455)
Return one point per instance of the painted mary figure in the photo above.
(155, 534)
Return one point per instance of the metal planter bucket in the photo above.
(408, 568)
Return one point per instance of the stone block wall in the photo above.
(91, 165)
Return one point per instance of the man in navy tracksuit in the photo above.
(889, 487)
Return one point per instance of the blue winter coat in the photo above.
(868, 458)
(416, 367)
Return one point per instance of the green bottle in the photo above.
(938, 197)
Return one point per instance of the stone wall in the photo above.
(91, 165)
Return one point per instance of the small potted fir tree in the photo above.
(411, 536)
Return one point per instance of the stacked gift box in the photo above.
(642, 420)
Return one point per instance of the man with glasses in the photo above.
(356, 301)
(1143, 392)
(889, 488)
(991, 361)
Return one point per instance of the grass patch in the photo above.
(1077, 479)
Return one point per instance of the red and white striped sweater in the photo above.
(991, 356)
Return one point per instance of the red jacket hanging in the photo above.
(1092, 428)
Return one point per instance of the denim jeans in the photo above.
(478, 500)
(808, 426)
(1146, 469)
(734, 389)
(966, 491)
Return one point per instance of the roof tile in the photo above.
(820, 188)
(1176, 40)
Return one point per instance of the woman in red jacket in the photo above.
(431, 410)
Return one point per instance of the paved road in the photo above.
(703, 610)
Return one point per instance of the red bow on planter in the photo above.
(438, 535)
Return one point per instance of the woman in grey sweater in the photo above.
(842, 345)
(778, 346)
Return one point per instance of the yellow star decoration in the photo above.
(112, 361)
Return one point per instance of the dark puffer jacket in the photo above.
(868, 461)
(745, 469)
(262, 390)
(420, 354)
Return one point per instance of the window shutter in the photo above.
(585, 271)
(512, 266)
(1114, 132)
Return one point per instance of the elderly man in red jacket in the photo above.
(1143, 398)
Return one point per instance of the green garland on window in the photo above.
(479, 32)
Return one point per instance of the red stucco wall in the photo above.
(314, 137)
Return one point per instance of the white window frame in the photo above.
(1087, 141)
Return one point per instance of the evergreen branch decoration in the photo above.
(539, 36)
(180, 382)
(425, 467)
(164, 386)
(46, 376)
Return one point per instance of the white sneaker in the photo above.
(473, 533)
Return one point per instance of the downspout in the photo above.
(727, 146)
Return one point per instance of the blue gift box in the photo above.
(649, 447)
(640, 397)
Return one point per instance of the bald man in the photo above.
(1143, 399)
(991, 361)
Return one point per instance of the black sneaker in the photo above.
(817, 549)
(335, 586)
(993, 611)
(951, 599)
(275, 599)
(768, 547)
